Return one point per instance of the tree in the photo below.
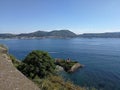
(37, 63)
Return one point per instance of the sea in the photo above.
(100, 57)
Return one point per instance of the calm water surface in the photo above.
(101, 58)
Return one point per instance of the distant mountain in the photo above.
(41, 34)
(62, 33)
(100, 35)
(34, 34)
(59, 34)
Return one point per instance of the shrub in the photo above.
(37, 64)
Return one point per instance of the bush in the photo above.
(37, 64)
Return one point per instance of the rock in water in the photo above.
(75, 67)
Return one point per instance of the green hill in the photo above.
(41, 34)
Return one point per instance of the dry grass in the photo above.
(56, 83)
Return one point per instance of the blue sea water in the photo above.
(101, 58)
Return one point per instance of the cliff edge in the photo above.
(10, 77)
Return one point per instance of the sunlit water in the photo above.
(101, 58)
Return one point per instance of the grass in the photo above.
(52, 82)
(56, 83)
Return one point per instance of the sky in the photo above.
(79, 16)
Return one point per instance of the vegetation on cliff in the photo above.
(40, 68)
(55, 82)
(37, 64)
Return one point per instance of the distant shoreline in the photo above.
(57, 38)
(58, 34)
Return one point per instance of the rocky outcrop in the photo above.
(68, 65)
(3, 49)
(75, 67)
(10, 77)
(59, 68)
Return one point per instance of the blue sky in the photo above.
(79, 16)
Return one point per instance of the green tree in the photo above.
(37, 63)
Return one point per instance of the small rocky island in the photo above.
(68, 65)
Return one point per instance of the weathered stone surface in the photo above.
(3, 50)
(11, 78)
